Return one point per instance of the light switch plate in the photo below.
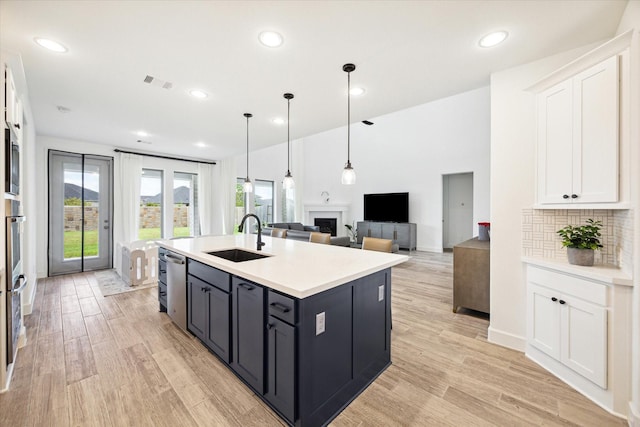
(320, 323)
(380, 293)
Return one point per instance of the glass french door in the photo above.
(80, 212)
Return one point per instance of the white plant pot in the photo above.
(580, 256)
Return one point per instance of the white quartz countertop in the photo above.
(608, 274)
(296, 268)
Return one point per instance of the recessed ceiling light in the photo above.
(51, 45)
(198, 93)
(493, 39)
(142, 134)
(357, 91)
(270, 39)
(279, 121)
(201, 144)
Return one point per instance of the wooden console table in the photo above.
(471, 275)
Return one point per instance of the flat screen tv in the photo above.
(387, 207)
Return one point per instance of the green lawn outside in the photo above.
(73, 244)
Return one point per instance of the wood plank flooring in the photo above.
(117, 361)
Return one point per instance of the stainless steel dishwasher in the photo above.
(177, 288)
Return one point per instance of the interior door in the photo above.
(80, 212)
(457, 207)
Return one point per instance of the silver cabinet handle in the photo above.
(20, 288)
(174, 259)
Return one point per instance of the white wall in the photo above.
(405, 151)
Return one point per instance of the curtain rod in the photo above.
(117, 150)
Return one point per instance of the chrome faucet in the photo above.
(241, 227)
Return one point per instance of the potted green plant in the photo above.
(581, 241)
(353, 232)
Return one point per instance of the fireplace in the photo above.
(327, 225)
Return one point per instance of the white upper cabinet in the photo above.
(578, 127)
(10, 97)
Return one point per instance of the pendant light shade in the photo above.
(348, 174)
(287, 182)
(247, 187)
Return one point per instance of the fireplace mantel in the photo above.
(326, 208)
(340, 212)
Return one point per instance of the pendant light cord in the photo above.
(288, 137)
(348, 118)
(247, 147)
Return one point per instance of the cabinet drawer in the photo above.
(282, 307)
(162, 293)
(162, 271)
(586, 290)
(211, 275)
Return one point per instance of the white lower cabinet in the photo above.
(570, 330)
(579, 329)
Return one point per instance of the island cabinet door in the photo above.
(281, 367)
(248, 332)
(217, 337)
(371, 322)
(198, 307)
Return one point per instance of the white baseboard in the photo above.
(506, 339)
(425, 249)
(634, 415)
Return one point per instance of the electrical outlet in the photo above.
(320, 323)
(380, 293)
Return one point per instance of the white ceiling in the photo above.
(406, 53)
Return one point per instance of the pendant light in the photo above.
(348, 174)
(287, 182)
(247, 187)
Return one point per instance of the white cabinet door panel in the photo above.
(555, 135)
(544, 325)
(595, 149)
(584, 338)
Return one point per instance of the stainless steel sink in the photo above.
(237, 255)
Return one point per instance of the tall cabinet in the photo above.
(579, 318)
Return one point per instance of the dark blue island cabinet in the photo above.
(306, 358)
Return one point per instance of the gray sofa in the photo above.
(297, 231)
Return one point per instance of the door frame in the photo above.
(445, 203)
(109, 210)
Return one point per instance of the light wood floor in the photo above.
(116, 361)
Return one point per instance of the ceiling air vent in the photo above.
(157, 82)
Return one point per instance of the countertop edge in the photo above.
(602, 273)
(237, 270)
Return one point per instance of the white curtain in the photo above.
(127, 216)
(206, 203)
(216, 197)
(297, 170)
(226, 194)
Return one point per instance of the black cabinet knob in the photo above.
(562, 302)
(574, 196)
(554, 299)
(565, 196)
(17, 125)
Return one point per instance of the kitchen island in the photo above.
(307, 328)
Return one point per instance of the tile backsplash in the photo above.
(539, 238)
